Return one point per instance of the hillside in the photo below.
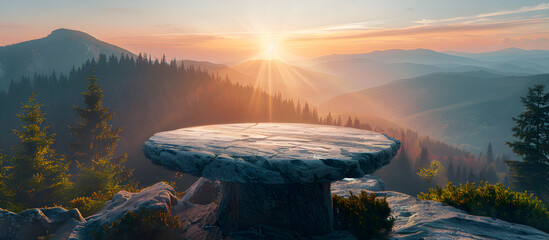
(60, 51)
(363, 73)
(459, 108)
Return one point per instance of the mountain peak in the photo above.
(64, 32)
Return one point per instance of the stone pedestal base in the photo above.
(304, 208)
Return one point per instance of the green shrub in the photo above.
(86, 205)
(142, 224)
(363, 215)
(495, 201)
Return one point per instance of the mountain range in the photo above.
(467, 99)
(469, 109)
(60, 51)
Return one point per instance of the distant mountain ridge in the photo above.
(418, 56)
(364, 70)
(60, 51)
(468, 109)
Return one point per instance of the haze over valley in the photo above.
(280, 119)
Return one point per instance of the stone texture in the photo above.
(303, 208)
(34, 223)
(421, 219)
(203, 191)
(159, 196)
(368, 182)
(271, 153)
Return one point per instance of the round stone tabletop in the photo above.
(271, 153)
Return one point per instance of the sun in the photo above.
(270, 51)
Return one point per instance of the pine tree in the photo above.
(356, 123)
(423, 160)
(102, 173)
(349, 122)
(39, 175)
(329, 119)
(458, 177)
(489, 154)
(338, 122)
(94, 136)
(532, 130)
(306, 113)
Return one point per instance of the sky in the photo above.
(235, 31)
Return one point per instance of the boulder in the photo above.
(38, 222)
(159, 196)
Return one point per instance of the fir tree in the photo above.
(356, 123)
(532, 131)
(423, 160)
(329, 119)
(94, 136)
(349, 122)
(102, 173)
(39, 175)
(489, 154)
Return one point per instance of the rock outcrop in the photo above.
(415, 219)
(159, 196)
(422, 219)
(38, 222)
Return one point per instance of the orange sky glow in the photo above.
(232, 33)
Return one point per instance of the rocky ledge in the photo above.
(423, 219)
(415, 219)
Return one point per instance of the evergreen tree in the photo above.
(39, 175)
(532, 130)
(489, 154)
(329, 119)
(356, 123)
(423, 160)
(458, 175)
(338, 123)
(349, 122)
(94, 136)
(451, 173)
(101, 172)
(306, 113)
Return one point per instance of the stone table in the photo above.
(276, 174)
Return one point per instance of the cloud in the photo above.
(432, 29)
(347, 26)
(543, 6)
